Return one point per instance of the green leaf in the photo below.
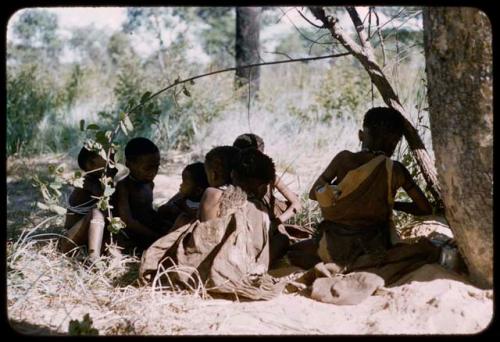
(78, 183)
(93, 126)
(83, 327)
(103, 203)
(82, 125)
(128, 123)
(57, 209)
(108, 191)
(42, 206)
(55, 186)
(124, 129)
(103, 154)
(100, 137)
(60, 168)
(115, 225)
(122, 115)
(145, 97)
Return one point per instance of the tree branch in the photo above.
(360, 29)
(389, 96)
(380, 37)
(310, 22)
(178, 82)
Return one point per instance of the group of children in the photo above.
(356, 194)
(197, 199)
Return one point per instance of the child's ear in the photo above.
(361, 135)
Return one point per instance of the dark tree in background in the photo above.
(247, 47)
(458, 48)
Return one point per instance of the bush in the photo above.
(30, 96)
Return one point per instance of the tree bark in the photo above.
(247, 47)
(458, 48)
(364, 54)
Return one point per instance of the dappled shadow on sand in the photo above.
(30, 329)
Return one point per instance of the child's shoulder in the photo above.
(344, 156)
(211, 191)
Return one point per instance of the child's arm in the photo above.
(209, 204)
(420, 204)
(329, 174)
(93, 186)
(124, 211)
(171, 209)
(294, 206)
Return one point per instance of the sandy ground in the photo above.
(430, 300)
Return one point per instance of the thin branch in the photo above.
(387, 22)
(301, 33)
(284, 13)
(232, 69)
(278, 53)
(394, 30)
(310, 22)
(369, 19)
(360, 29)
(380, 37)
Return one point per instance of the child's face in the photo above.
(97, 164)
(144, 168)
(188, 186)
(211, 176)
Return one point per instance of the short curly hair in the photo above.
(384, 120)
(254, 164)
(222, 159)
(139, 146)
(197, 173)
(248, 140)
(85, 156)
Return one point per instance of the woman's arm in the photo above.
(329, 174)
(291, 197)
(420, 204)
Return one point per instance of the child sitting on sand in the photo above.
(356, 195)
(219, 163)
(228, 252)
(133, 198)
(84, 222)
(281, 211)
(183, 207)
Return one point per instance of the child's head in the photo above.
(194, 181)
(218, 165)
(253, 172)
(142, 157)
(249, 140)
(382, 129)
(91, 160)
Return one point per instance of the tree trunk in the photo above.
(247, 47)
(458, 48)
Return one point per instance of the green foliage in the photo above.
(73, 86)
(344, 92)
(30, 97)
(50, 188)
(82, 327)
(35, 32)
